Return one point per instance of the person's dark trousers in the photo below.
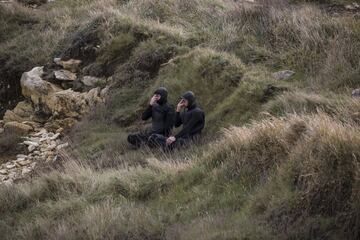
(157, 140)
(138, 139)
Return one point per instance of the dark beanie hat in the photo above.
(163, 93)
(190, 97)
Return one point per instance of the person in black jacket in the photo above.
(162, 116)
(190, 116)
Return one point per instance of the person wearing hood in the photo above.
(190, 116)
(162, 115)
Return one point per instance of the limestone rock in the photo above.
(356, 93)
(24, 109)
(283, 75)
(90, 81)
(35, 88)
(17, 127)
(65, 75)
(10, 165)
(24, 163)
(72, 65)
(61, 146)
(10, 116)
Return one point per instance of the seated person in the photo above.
(162, 116)
(190, 116)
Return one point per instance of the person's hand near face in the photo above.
(170, 140)
(181, 105)
(154, 99)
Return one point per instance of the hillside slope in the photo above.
(279, 157)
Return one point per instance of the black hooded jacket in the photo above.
(192, 119)
(161, 113)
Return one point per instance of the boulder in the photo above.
(24, 109)
(72, 65)
(64, 75)
(35, 88)
(10, 116)
(283, 75)
(17, 127)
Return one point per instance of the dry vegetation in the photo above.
(289, 170)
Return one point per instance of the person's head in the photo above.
(189, 99)
(161, 93)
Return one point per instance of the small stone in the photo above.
(3, 171)
(61, 146)
(57, 61)
(356, 93)
(30, 143)
(31, 148)
(51, 147)
(1, 130)
(25, 171)
(40, 133)
(55, 136)
(10, 166)
(21, 156)
(24, 163)
(283, 75)
(60, 130)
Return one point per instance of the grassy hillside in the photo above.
(279, 158)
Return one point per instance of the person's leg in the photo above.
(137, 139)
(180, 142)
(157, 140)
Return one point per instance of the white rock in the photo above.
(283, 75)
(25, 171)
(10, 166)
(3, 171)
(29, 143)
(61, 146)
(65, 75)
(90, 81)
(24, 163)
(21, 156)
(55, 136)
(31, 148)
(1, 130)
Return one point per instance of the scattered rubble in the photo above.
(42, 118)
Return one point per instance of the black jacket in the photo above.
(193, 121)
(162, 118)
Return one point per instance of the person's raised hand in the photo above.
(153, 100)
(170, 140)
(180, 105)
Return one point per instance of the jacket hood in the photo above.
(163, 93)
(190, 97)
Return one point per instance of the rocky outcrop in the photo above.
(45, 115)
